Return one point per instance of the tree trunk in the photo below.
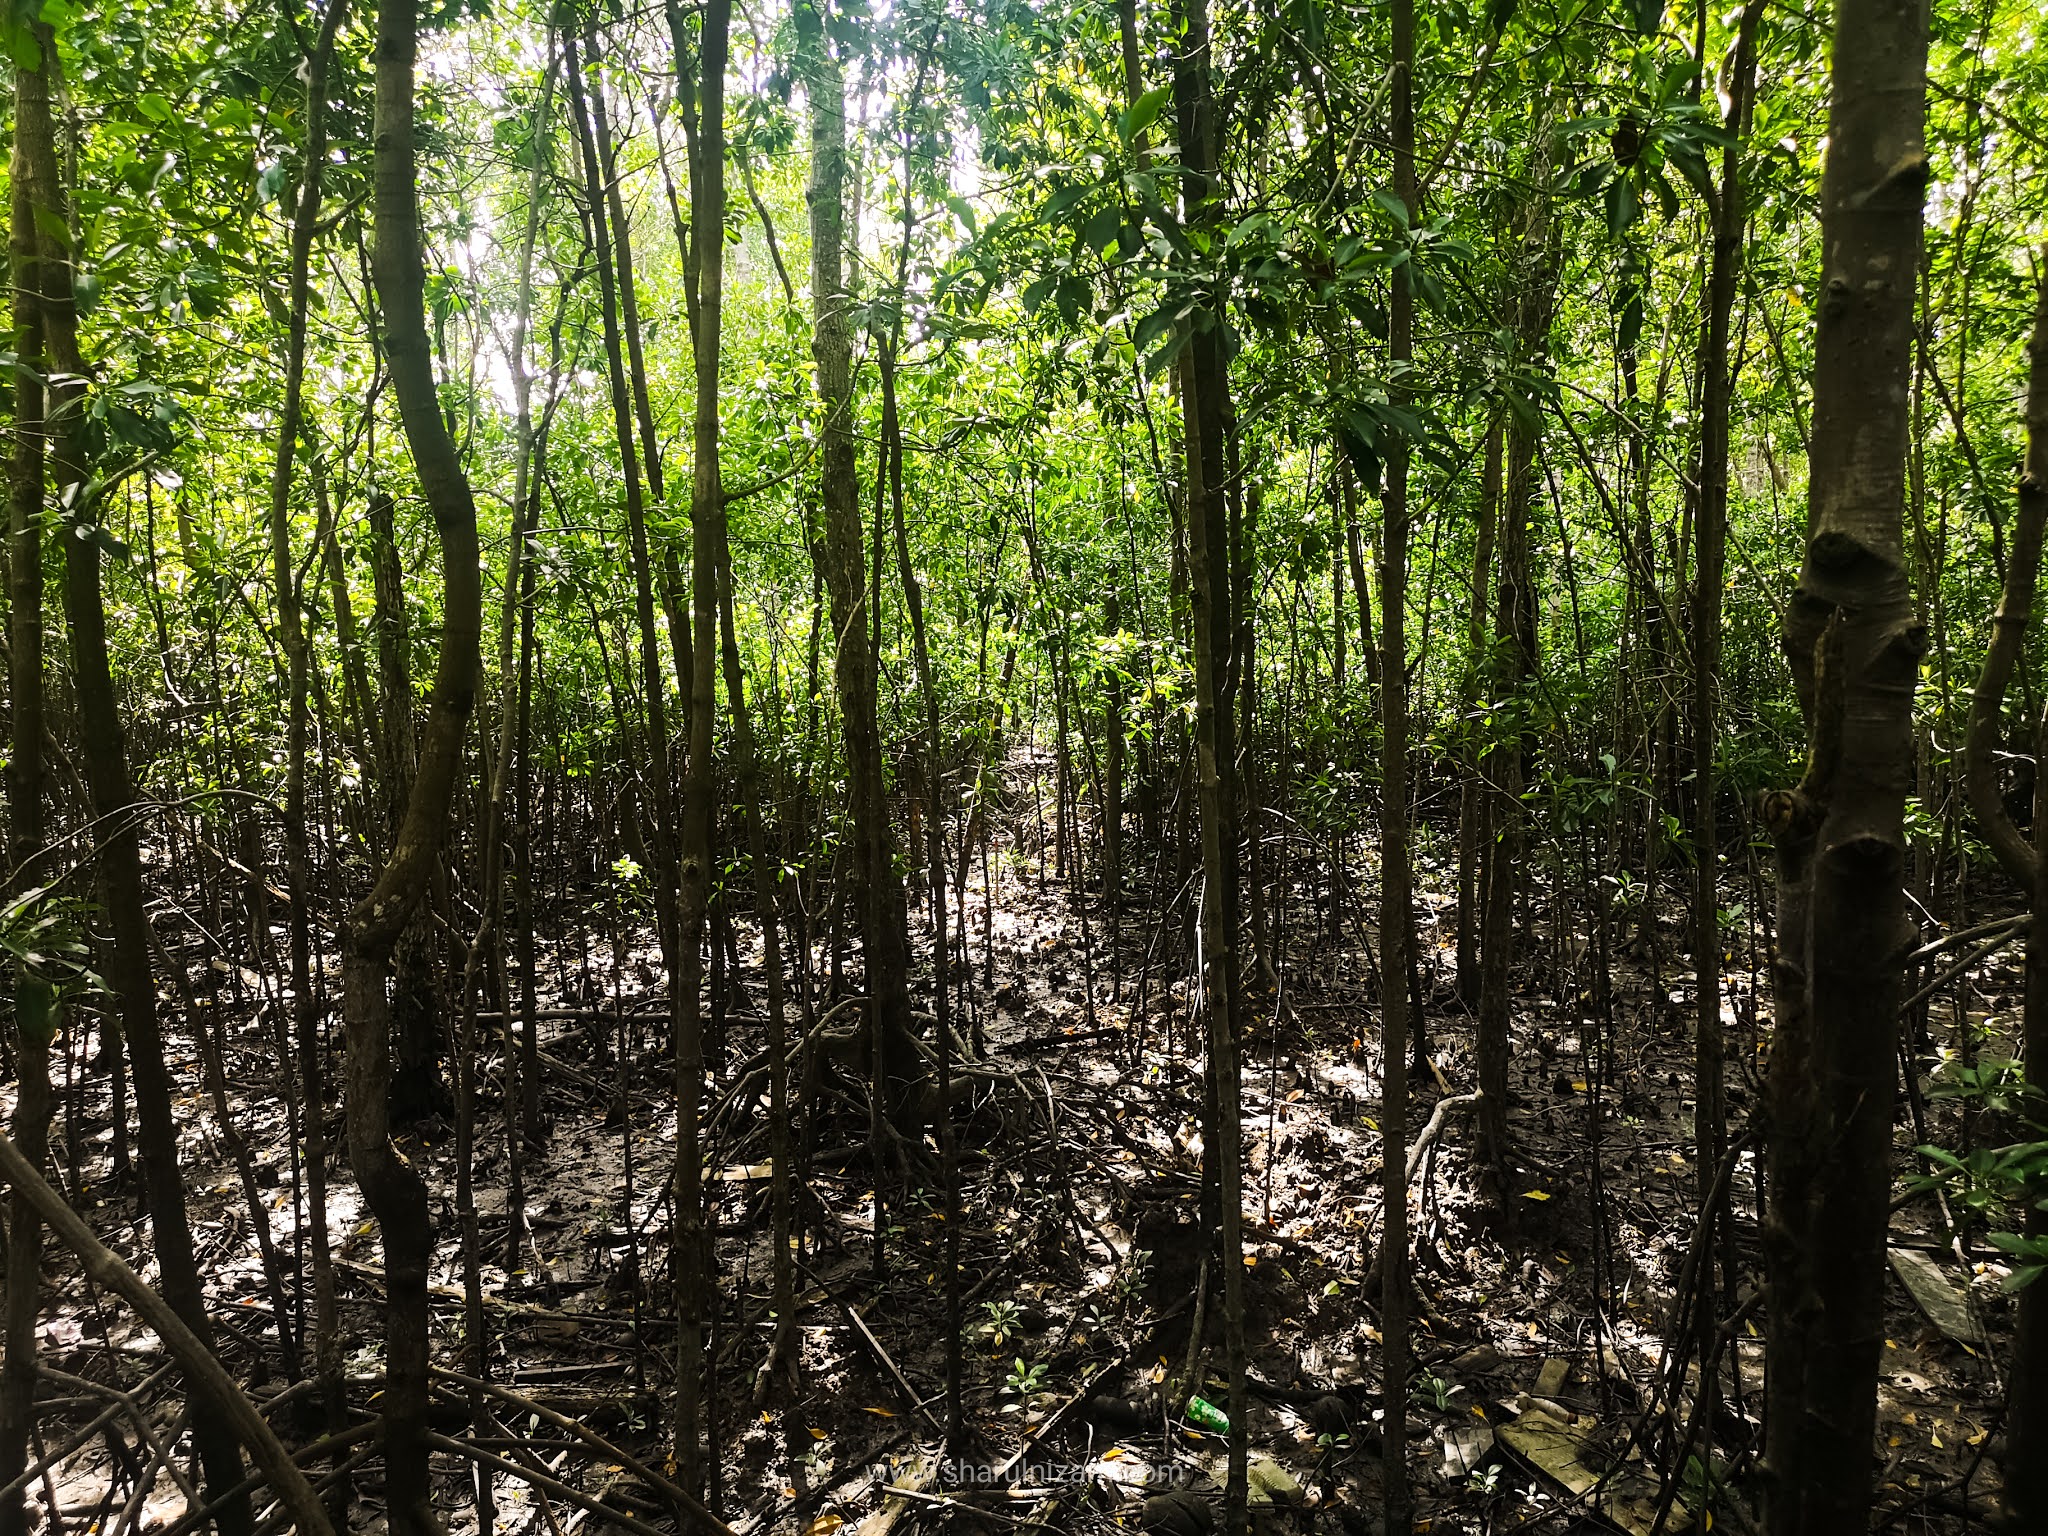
(1710, 532)
(898, 1068)
(706, 291)
(297, 649)
(2026, 1461)
(1396, 919)
(104, 747)
(1854, 643)
(25, 824)
(1204, 404)
(1474, 805)
(1515, 662)
(391, 1186)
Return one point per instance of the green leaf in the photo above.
(35, 1010)
(1395, 209)
(964, 212)
(1102, 228)
(1155, 325)
(1142, 113)
(1168, 350)
(1621, 206)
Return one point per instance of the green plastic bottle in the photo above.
(1204, 1414)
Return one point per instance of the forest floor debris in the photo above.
(1544, 1321)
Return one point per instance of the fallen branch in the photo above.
(554, 1485)
(1435, 1128)
(108, 1269)
(590, 1437)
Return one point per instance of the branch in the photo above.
(108, 1269)
(2009, 624)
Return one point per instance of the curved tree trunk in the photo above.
(104, 748)
(396, 1194)
(2026, 1461)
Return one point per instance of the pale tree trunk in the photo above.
(1854, 642)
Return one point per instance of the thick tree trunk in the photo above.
(392, 1187)
(1854, 641)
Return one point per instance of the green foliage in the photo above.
(1987, 1183)
(44, 937)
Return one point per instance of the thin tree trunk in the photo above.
(104, 748)
(1474, 804)
(1515, 663)
(1204, 405)
(25, 821)
(292, 634)
(898, 1068)
(706, 289)
(1396, 919)
(1710, 532)
(391, 1186)
(935, 838)
(2026, 1461)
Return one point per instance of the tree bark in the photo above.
(1710, 532)
(2026, 1459)
(898, 1068)
(127, 965)
(1397, 927)
(25, 774)
(1204, 405)
(292, 635)
(1854, 641)
(391, 1186)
